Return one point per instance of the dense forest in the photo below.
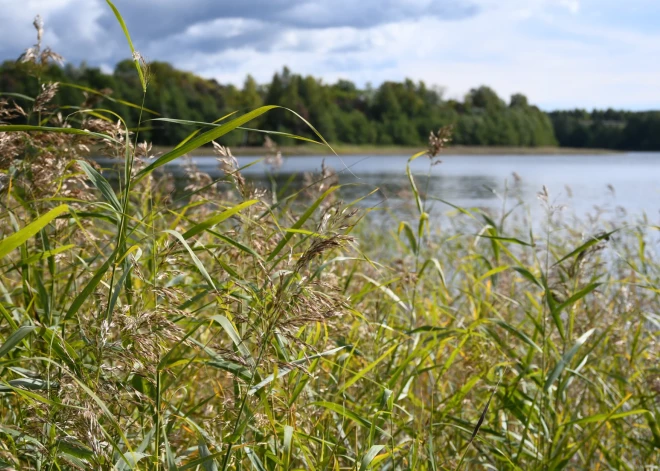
(395, 113)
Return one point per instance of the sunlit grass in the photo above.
(232, 328)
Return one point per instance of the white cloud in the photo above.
(561, 53)
(572, 5)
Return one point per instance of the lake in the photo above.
(614, 185)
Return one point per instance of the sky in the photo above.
(560, 53)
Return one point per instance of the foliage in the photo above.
(393, 114)
(608, 129)
(227, 327)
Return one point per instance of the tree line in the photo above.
(395, 113)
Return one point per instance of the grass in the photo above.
(235, 328)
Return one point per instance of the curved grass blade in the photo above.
(17, 95)
(129, 460)
(217, 219)
(287, 442)
(593, 241)
(200, 140)
(254, 459)
(388, 292)
(197, 131)
(607, 417)
(577, 296)
(214, 134)
(15, 338)
(306, 215)
(566, 359)
(528, 275)
(479, 424)
(369, 456)
(108, 97)
(227, 325)
(31, 384)
(196, 261)
(367, 369)
(91, 286)
(19, 238)
(518, 333)
(241, 128)
(136, 60)
(46, 254)
(204, 453)
(101, 184)
(29, 128)
(287, 369)
(343, 411)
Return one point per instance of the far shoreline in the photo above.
(317, 150)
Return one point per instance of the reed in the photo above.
(230, 327)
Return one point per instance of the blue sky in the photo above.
(560, 53)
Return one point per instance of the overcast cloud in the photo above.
(561, 53)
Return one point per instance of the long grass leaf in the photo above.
(369, 456)
(227, 325)
(198, 263)
(217, 219)
(287, 369)
(566, 359)
(200, 140)
(19, 238)
(15, 338)
(90, 286)
(101, 184)
(30, 128)
(306, 215)
(136, 60)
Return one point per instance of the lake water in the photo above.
(614, 185)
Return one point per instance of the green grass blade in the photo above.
(287, 369)
(306, 215)
(90, 287)
(367, 369)
(254, 459)
(591, 242)
(138, 67)
(369, 456)
(608, 416)
(217, 219)
(15, 338)
(108, 97)
(227, 325)
(19, 238)
(204, 453)
(202, 139)
(46, 254)
(566, 359)
(195, 259)
(30, 128)
(577, 296)
(17, 95)
(101, 184)
(344, 412)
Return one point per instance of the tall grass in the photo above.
(233, 328)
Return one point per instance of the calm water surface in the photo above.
(616, 185)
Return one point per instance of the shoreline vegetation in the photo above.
(239, 328)
(342, 149)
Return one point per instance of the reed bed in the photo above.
(227, 326)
